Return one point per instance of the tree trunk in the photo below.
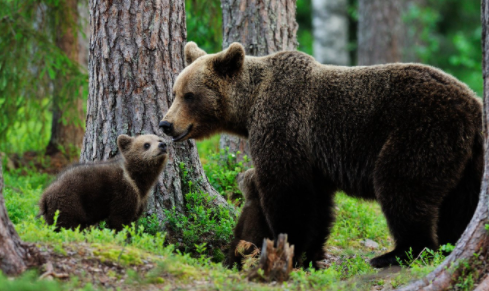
(136, 52)
(67, 132)
(475, 239)
(330, 28)
(262, 27)
(15, 255)
(379, 31)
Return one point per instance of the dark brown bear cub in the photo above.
(115, 191)
(252, 225)
(405, 135)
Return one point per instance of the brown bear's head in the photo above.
(202, 93)
(144, 150)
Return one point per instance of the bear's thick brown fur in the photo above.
(115, 191)
(406, 135)
(252, 225)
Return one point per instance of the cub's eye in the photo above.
(146, 146)
(188, 96)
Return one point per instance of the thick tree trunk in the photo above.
(15, 256)
(262, 27)
(330, 28)
(379, 31)
(66, 134)
(136, 52)
(475, 239)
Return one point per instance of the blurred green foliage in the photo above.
(448, 36)
(30, 62)
(204, 24)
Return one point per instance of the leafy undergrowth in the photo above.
(140, 256)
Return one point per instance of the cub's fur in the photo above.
(252, 224)
(115, 191)
(406, 135)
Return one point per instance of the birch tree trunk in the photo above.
(473, 246)
(379, 31)
(66, 134)
(262, 27)
(330, 29)
(15, 256)
(136, 52)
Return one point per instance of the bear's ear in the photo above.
(229, 62)
(124, 142)
(192, 52)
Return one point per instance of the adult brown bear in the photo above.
(406, 135)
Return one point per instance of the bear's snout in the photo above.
(162, 146)
(167, 127)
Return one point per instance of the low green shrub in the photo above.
(203, 228)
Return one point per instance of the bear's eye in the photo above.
(188, 96)
(146, 146)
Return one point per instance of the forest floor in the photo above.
(191, 259)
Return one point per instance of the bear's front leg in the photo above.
(122, 212)
(297, 201)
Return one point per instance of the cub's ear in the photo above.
(124, 142)
(192, 52)
(229, 62)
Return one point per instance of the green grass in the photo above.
(203, 233)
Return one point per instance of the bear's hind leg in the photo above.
(412, 226)
(460, 204)
(414, 172)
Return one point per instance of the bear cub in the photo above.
(115, 190)
(252, 225)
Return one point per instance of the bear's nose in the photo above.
(166, 127)
(162, 146)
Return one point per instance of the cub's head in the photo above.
(202, 92)
(247, 185)
(144, 150)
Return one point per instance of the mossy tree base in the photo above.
(15, 255)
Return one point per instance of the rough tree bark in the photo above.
(262, 27)
(136, 52)
(330, 29)
(475, 239)
(68, 133)
(15, 255)
(379, 31)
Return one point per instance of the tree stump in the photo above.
(275, 262)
